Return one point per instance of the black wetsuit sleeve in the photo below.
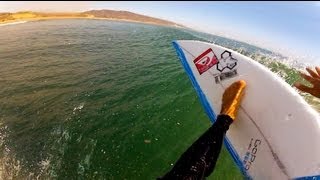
(200, 158)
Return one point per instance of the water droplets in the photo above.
(115, 114)
(288, 117)
(103, 151)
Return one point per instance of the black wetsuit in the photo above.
(200, 158)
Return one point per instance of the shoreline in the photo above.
(23, 20)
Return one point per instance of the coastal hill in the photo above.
(129, 16)
(93, 14)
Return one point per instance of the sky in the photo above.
(291, 28)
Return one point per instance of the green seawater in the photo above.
(94, 99)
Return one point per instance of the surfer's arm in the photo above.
(200, 158)
(314, 79)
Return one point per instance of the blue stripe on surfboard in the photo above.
(317, 177)
(209, 111)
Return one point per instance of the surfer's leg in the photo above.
(200, 158)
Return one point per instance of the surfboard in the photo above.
(276, 134)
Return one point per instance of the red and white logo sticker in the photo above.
(205, 61)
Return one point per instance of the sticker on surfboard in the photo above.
(225, 66)
(205, 61)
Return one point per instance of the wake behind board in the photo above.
(276, 134)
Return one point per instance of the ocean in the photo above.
(97, 99)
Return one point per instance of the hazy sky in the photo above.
(289, 27)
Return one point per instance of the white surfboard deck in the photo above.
(276, 134)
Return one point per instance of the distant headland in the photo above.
(93, 14)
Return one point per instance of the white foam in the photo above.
(13, 23)
(79, 107)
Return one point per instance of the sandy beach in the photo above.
(22, 17)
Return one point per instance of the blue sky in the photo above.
(292, 28)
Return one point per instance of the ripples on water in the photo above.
(101, 100)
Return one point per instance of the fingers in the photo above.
(308, 78)
(306, 89)
(313, 78)
(318, 70)
(302, 87)
(313, 73)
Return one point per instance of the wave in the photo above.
(13, 23)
